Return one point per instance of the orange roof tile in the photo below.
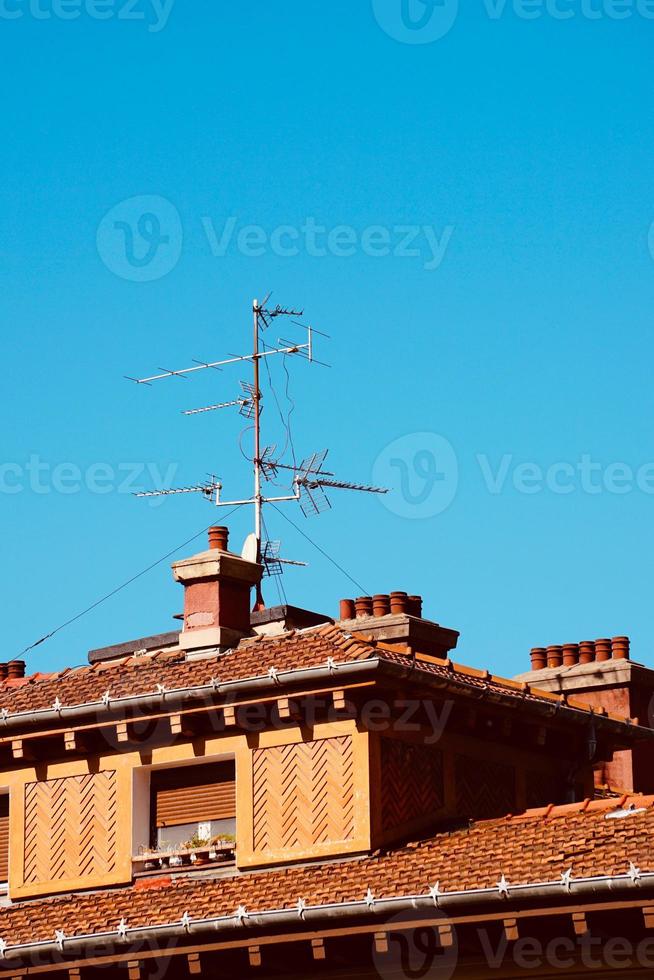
(535, 848)
(252, 658)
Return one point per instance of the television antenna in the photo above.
(310, 479)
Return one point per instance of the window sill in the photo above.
(156, 862)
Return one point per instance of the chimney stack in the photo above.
(217, 588)
(601, 673)
(396, 619)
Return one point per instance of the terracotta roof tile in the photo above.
(526, 850)
(253, 657)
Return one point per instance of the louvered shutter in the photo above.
(4, 837)
(194, 794)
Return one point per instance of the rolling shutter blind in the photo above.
(194, 794)
(4, 836)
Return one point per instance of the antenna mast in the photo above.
(309, 477)
(258, 506)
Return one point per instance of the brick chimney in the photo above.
(217, 588)
(601, 673)
(396, 619)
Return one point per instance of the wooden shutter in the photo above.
(194, 794)
(4, 836)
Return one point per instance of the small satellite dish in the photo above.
(250, 549)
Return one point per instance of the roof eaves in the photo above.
(566, 887)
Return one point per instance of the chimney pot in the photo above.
(398, 602)
(620, 647)
(381, 605)
(16, 668)
(538, 658)
(218, 538)
(586, 652)
(3, 672)
(570, 654)
(602, 650)
(415, 606)
(348, 609)
(363, 606)
(554, 656)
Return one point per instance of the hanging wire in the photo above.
(281, 591)
(114, 592)
(285, 420)
(321, 550)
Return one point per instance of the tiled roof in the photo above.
(142, 674)
(253, 657)
(537, 847)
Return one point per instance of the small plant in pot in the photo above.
(220, 843)
(194, 844)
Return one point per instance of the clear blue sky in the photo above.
(523, 146)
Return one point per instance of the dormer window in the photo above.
(192, 804)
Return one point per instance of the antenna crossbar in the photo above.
(202, 365)
(206, 488)
(342, 485)
(214, 408)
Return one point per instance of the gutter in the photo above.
(176, 698)
(242, 921)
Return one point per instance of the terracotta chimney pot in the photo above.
(16, 668)
(347, 609)
(363, 606)
(398, 602)
(620, 647)
(381, 605)
(218, 538)
(554, 656)
(415, 606)
(602, 650)
(570, 654)
(538, 658)
(3, 672)
(586, 652)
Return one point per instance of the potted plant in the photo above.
(219, 844)
(195, 844)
